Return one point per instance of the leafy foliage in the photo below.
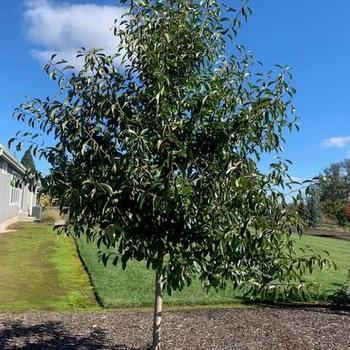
(156, 159)
(45, 201)
(334, 188)
(342, 295)
(335, 182)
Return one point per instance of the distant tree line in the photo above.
(325, 202)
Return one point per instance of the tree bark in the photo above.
(158, 306)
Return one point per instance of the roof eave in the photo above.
(12, 160)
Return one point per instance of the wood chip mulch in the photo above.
(220, 329)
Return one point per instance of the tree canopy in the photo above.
(156, 149)
(326, 200)
(334, 190)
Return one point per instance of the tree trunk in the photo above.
(158, 306)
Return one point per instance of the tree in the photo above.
(334, 187)
(28, 161)
(300, 207)
(156, 158)
(313, 207)
(334, 182)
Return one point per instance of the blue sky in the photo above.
(313, 37)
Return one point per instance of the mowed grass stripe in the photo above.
(339, 250)
(134, 286)
(40, 270)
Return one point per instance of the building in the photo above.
(16, 202)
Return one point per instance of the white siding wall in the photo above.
(10, 210)
(7, 211)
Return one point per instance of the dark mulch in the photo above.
(222, 329)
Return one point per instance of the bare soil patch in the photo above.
(221, 329)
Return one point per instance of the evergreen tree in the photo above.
(313, 208)
(28, 161)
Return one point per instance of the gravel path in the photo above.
(222, 329)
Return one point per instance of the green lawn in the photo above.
(39, 270)
(330, 279)
(134, 286)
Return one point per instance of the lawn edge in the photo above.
(94, 290)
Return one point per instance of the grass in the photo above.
(339, 250)
(41, 271)
(134, 286)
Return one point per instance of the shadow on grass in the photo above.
(51, 335)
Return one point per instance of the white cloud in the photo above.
(64, 28)
(336, 141)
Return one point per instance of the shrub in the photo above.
(335, 209)
(342, 295)
(51, 215)
(45, 201)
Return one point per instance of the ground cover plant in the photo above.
(155, 151)
(133, 287)
(39, 270)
